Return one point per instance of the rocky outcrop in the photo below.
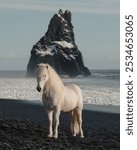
(57, 48)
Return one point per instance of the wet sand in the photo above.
(24, 125)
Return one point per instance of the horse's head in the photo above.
(42, 75)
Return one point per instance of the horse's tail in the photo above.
(74, 123)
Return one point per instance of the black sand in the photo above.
(24, 125)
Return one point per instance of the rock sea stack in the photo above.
(58, 48)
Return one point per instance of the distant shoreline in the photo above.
(90, 70)
(23, 73)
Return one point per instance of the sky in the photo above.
(96, 27)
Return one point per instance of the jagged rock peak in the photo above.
(60, 27)
(57, 47)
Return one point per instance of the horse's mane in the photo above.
(54, 77)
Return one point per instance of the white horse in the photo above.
(57, 97)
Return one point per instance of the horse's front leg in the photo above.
(57, 114)
(50, 117)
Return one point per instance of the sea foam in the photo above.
(95, 91)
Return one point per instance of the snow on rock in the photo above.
(44, 53)
(64, 44)
(72, 56)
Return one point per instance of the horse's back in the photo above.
(73, 95)
(75, 88)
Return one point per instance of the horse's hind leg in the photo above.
(73, 130)
(50, 117)
(79, 113)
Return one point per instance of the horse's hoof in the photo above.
(82, 136)
(74, 135)
(55, 136)
(50, 135)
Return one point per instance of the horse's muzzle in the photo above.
(38, 89)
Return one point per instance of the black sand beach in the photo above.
(24, 125)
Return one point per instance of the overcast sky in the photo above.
(96, 27)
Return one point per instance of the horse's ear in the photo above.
(37, 65)
(47, 66)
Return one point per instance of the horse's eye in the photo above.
(45, 76)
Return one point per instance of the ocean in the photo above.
(101, 88)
